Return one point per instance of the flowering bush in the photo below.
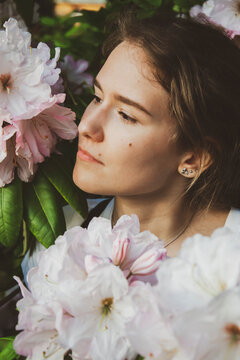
(106, 293)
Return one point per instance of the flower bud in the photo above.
(119, 251)
(148, 262)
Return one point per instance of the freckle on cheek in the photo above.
(130, 144)
(99, 154)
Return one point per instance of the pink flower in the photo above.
(40, 133)
(221, 12)
(31, 122)
(25, 143)
(74, 73)
(124, 243)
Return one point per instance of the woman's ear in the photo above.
(194, 163)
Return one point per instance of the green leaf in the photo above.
(6, 349)
(11, 212)
(184, 6)
(45, 20)
(42, 210)
(59, 172)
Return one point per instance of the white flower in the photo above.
(205, 9)
(92, 293)
(125, 245)
(39, 322)
(50, 74)
(212, 332)
(60, 264)
(100, 306)
(25, 73)
(150, 335)
(204, 267)
(221, 12)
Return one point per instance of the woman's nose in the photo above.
(91, 126)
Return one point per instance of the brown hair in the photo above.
(199, 66)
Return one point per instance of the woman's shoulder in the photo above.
(96, 207)
(233, 219)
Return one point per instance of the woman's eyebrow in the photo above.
(124, 99)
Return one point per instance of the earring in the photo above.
(185, 171)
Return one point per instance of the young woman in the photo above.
(162, 133)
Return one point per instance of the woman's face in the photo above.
(125, 145)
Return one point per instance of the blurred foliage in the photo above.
(6, 349)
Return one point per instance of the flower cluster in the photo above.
(112, 293)
(82, 291)
(30, 119)
(220, 12)
(193, 313)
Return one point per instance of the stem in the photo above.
(71, 96)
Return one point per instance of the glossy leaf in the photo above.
(59, 172)
(11, 212)
(42, 210)
(6, 349)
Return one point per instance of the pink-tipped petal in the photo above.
(149, 262)
(119, 252)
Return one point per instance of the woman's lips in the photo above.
(84, 155)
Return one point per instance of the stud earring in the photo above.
(184, 171)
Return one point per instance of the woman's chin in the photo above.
(90, 185)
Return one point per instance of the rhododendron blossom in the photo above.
(25, 73)
(31, 121)
(75, 75)
(204, 268)
(149, 333)
(39, 340)
(100, 306)
(92, 294)
(221, 12)
(212, 332)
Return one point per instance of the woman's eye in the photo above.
(96, 99)
(127, 118)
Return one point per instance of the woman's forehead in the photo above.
(127, 70)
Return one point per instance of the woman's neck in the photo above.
(169, 220)
(165, 218)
